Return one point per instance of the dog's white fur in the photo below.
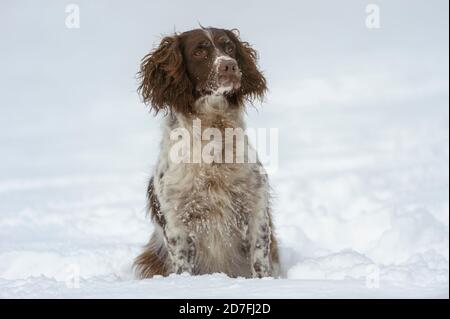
(217, 216)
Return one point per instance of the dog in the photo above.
(209, 217)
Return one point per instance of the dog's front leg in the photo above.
(260, 257)
(181, 248)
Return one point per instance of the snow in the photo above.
(361, 190)
(209, 286)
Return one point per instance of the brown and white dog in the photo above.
(209, 217)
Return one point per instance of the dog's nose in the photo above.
(227, 67)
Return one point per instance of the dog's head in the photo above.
(197, 63)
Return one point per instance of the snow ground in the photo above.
(339, 225)
(361, 192)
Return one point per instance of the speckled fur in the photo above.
(209, 217)
(214, 216)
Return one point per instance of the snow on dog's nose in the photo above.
(228, 73)
(227, 67)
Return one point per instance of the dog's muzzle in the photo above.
(228, 73)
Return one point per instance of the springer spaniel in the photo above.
(211, 216)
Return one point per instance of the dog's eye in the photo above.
(229, 49)
(202, 49)
(200, 53)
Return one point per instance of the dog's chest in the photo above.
(205, 195)
(210, 196)
(215, 203)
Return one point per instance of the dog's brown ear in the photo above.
(164, 84)
(253, 81)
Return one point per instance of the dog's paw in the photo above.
(260, 270)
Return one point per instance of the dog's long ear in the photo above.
(253, 81)
(164, 84)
